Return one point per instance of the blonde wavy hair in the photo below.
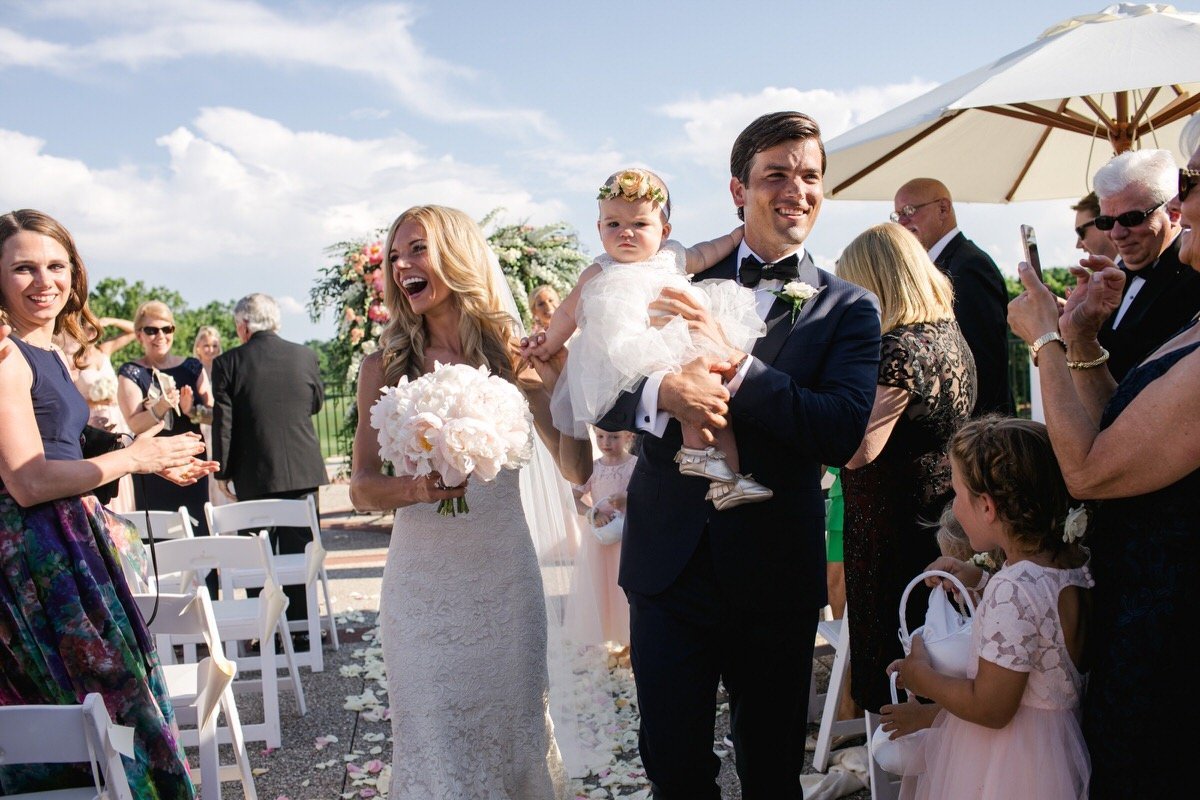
(889, 261)
(152, 309)
(458, 254)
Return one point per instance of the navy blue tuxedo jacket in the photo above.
(804, 402)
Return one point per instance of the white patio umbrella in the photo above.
(1036, 124)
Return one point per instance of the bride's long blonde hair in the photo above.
(458, 253)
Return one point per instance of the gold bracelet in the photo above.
(1042, 341)
(1095, 362)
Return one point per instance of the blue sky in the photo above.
(218, 146)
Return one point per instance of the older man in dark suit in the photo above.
(1160, 294)
(924, 206)
(733, 595)
(264, 395)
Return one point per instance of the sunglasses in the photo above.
(1082, 229)
(907, 211)
(1188, 178)
(151, 331)
(1130, 219)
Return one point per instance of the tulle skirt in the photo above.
(1039, 755)
(617, 346)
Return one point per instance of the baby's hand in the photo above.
(539, 347)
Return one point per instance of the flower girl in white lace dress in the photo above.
(1012, 727)
(620, 342)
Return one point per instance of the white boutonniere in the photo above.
(797, 293)
(1076, 524)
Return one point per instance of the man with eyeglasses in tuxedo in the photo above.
(1160, 294)
(924, 207)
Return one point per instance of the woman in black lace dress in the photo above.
(898, 482)
(1133, 451)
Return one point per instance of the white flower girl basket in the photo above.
(611, 532)
(947, 631)
(947, 637)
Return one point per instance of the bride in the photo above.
(462, 612)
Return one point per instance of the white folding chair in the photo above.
(884, 785)
(836, 636)
(199, 690)
(291, 569)
(245, 618)
(68, 735)
(166, 525)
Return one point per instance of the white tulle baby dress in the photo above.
(616, 346)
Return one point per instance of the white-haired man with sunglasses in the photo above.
(1161, 294)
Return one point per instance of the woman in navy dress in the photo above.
(68, 623)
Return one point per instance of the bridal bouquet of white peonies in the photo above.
(456, 421)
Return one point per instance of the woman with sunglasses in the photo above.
(163, 387)
(1132, 451)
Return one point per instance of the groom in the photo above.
(733, 596)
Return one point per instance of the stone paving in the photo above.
(340, 752)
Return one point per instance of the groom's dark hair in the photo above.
(768, 131)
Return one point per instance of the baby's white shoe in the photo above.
(706, 463)
(743, 489)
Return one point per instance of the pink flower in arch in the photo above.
(374, 252)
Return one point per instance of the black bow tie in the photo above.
(752, 270)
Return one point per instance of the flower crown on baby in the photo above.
(635, 184)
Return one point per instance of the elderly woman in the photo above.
(898, 482)
(68, 624)
(1133, 450)
(164, 388)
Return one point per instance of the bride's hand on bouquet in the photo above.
(432, 489)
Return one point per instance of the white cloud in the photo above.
(711, 124)
(375, 41)
(244, 203)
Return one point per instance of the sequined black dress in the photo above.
(1146, 604)
(892, 502)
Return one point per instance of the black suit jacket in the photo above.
(264, 395)
(1169, 298)
(804, 402)
(981, 310)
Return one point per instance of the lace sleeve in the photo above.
(897, 365)
(1008, 635)
(678, 253)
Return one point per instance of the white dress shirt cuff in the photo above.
(736, 381)
(649, 419)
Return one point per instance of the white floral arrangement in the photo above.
(103, 391)
(1076, 525)
(797, 293)
(457, 421)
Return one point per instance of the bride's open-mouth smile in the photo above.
(413, 285)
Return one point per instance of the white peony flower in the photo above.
(1076, 524)
(457, 421)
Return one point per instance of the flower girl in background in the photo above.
(621, 342)
(1010, 729)
(96, 380)
(602, 501)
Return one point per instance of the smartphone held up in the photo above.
(1029, 243)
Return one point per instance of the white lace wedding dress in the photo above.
(463, 621)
